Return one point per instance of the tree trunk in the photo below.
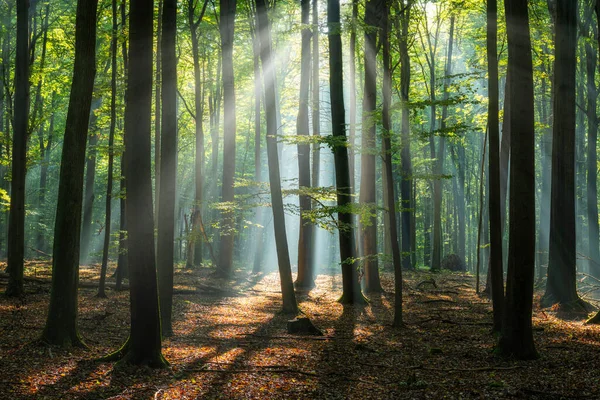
(352, 78)
(350, 285)
(144, 344)
(368, 226)
(226, 26)
(61, 324)
(405, 159)
(16, 222)
(157, 110)
(90, 177)
(316, 112)
(168, 166)
(561, 284)
(111, 156)
(305, 277)
(495, 270)
(387, 154)
(269, 82)
(517, 336)
(592, 179)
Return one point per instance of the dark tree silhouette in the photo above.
(61, 324)
(517, 336)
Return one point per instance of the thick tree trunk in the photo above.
(269, 81)
(305, 277)
(517, 336)
(168, 166)
(61, 324)
(144, 344)
(16, 222)
(561, 283)
(368, 227)
(495, 270)
(226, 26)
(350, 285)
(157, 110)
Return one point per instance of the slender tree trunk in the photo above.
(269, 82)
(561, 283)
(199, 133)
(387, 153)
(405, 159)
(368, 229)
(517, 336)
(316, 111)
(226, 26)
(497, 278)
(45, 147)
(305, 277)
(122, 265)
(168, 165)
(90, 177)
(350, 285)
(111, 142)
(352, 78)
(16, 222)
(61, 324)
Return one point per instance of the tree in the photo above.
(227, 28)
(305, 277)
(387, 156)
(368, 230)
(16, 222)
(405, 159)
(199, 132)
(516, 336)
(350, 286)
(144, 344)
(61, 324)
(111, 151)
(268, 72)
(592, 179)
(168, 165)
(561, 284)
(495, 269)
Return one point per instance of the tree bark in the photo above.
(305, 277)
(496, 274)
(61, 324)
(144, 344)
(168, 165)
(350, 285)
(111, 156)
(368, 226)
(387, 154)
(517, 336)
(226, 25)
(561, 283)
(269, 82)
(16, 222)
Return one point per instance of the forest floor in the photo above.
(230, 342)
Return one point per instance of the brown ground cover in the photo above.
(230, 342)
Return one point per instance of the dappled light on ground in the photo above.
(230, 342)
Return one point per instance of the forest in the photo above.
(313, 199)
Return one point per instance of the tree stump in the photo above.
(302, 326)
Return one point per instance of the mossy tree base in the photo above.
(574, 310)
(595, 320)
(65, 340)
